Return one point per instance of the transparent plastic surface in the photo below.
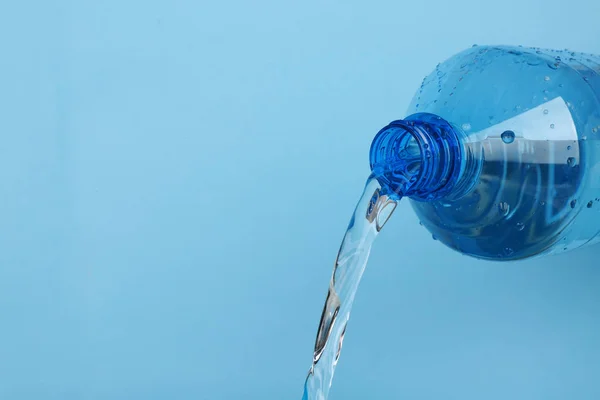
(534, 116)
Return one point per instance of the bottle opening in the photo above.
(421, 157)
(396, 157)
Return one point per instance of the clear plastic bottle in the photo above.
(502, 145)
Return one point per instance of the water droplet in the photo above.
(428, 154)
(551, 126)
(545, 112)
(504, 208)
(466, 126)
(583, 138)
(508, 137)
(594, 130)
(573, 203)
(568, 147)
(426, 145)
(433, 237)
(590, 204)
(421, 223)
(546, 78)
(520, 226)
(571, 161)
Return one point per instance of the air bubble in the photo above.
(590, 204)
(594, 130)
(466, 126)
(551, 126)
(520, 226)
(573, 203)
(508, 137)
(568, 147)
(433, 237)
(508, 251)
(545, 111)
(546, 78)
(571, 161)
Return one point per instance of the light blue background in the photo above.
(176, 177)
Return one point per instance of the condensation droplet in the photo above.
(508, 137)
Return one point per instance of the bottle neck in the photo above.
(425, 158)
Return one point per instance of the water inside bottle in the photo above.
(372, 212)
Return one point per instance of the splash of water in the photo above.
(372, 212)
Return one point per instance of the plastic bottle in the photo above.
(502, 151)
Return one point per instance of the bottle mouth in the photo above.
(397, 157)
(419, 157)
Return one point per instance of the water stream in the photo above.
(372, 212)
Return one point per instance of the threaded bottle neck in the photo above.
(423, 157)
